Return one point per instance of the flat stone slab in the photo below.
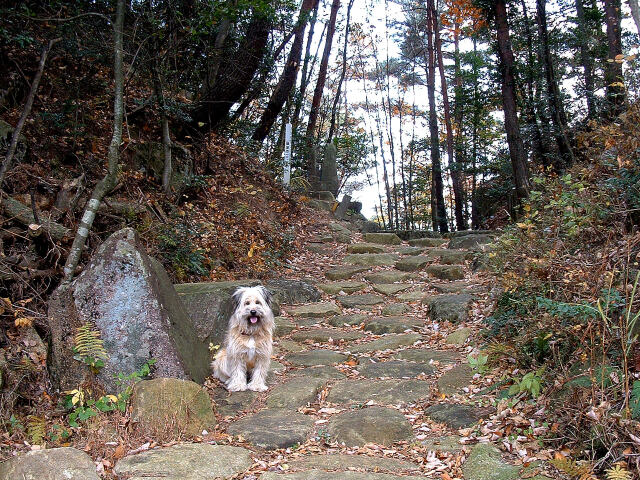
(349, 475)
(486, 463)
(459, 337)
(365, 299)
(295, 393)
(344, 272)
(308, 321)
(453, 380)
(275, 428)
(315, 310)
(365, 248)
(313, 358)
(445, 443)
(371, 259)
(379, 425)
(387, 343)
(427, 242)
(415, 296)
(283, 327)
(413, 264)
(389, 276)
(190, 461)
(382, 238)
(333, 288)
(424, 355)
(395, 369)
(290, 345)
(50, 464)
(322, 371)
(395, 309)
(455, 415)
(450, 307)
(341, 320)
(346, 462)
(324, 334)
(410, 250)
(384, 392)
(229, 404)
(454, 257)
(395, 324)
(391, 288)
(459, 286)
(470, 241)
(446, 272)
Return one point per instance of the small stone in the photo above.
(283, 326)
(395, 324)
(171, 406)
(485, 463)
(415, 296)
(333, 288)
(367, 299)
(395, 309)
(290, 345)
(410, 250)
(389, 276)
(229, 404)
(459, 337)
(426, 242)
(452, 381)
(454, 257)
(341, 320)
(452, 308)
(195, 461)
(456, 415)
(295, 393)
(316, 357)
(391, 288)
(365, 248)
(446, 272)
(388, 342)
(50, 464)
(371, 259)
(344, 272)
(379, 425)
(394, 369)
(315, 310)
(271, 429)
(413, 264)
(323, 335)
(383, 392)
(470, 241)
(382, 238)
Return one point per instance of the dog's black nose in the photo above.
(253, 313)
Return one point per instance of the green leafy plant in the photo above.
(634, 400)
(36, 427)
(479, 363)
(89, 348)
(530, 383)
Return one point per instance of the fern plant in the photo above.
(618, 472)
(36, 427)
(577, 470)
(89, 348)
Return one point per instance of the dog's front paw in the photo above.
(257, 387)
(237, 387)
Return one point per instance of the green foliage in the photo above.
(88, 347)
(479, 363)
(177, 248)
(530, 383)
(36, 429)
(634, 400)
(512, 309)
(566, 311)
(15, 424)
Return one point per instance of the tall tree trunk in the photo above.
(439, 215)
(234, 75)
(453, 167)
(635, 13)
(458, 116)
(556, 108)
(288, 76)
(585, 58)
(336, 99)
(516, 147)
(113, 154)
(615, 94)
(317, 95)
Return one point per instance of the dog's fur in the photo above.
(248, 343)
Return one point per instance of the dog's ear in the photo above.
(237, 297)
(268, 296)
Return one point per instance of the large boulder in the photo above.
(128, 297)
(51, 464)
(210, 305)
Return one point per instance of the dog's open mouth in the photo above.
(254, 319)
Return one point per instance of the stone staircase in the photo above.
(369, 382)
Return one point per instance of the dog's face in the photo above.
(252, 309)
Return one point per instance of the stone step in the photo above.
(382, 238)
(313, 358)
(378, 425)
(456, 415)
(363, 300)
(446, 272)
(389, 276)
(449, 307)
(427, 242)
(295, 393)
(346, 462)
(470, 241)
(371, 259)
(338, 475)
(413, 264)
(273, 428)
(325, 334)
(452, 381)
(382, 392)
(315, 310)
(393, 324)
(391, 288)
(388, 342)
(394, 369)
(344, 272)
(333, 288)
(365, 248)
